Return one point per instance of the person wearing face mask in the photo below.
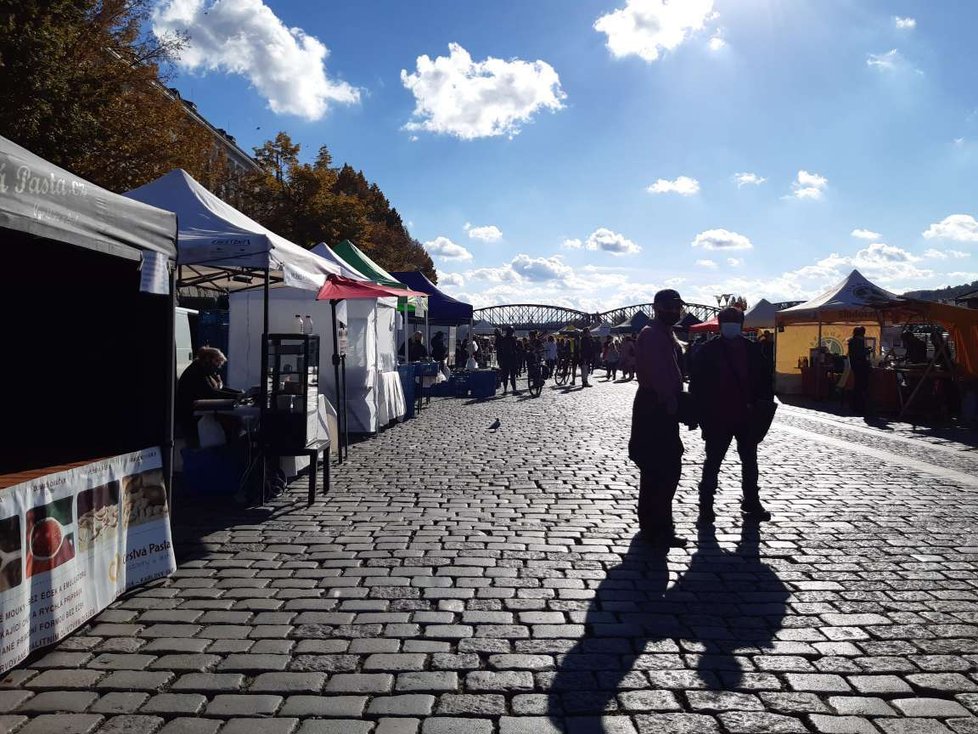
(733, 390)
(655, 445)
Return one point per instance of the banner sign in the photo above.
(71, 542)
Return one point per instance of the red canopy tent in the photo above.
(336, 288)
(705, 327)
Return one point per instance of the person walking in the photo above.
(588, 352)
(733, 393)
(655, 445)
(611, 358)
(628, 358)
(506, 355)
(860, 367)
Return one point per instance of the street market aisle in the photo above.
(462, 579)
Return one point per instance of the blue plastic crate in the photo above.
(212, 471)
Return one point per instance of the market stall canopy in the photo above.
(711, 326)
(443, 310)
(358, 259)
(42, 200)
(635, 324)
(600, 329)
(338, 288)
(961, 324)
(853, 299)
(760, 316)
(686, 322)
(216, 235)
(346, 270)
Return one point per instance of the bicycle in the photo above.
(537, 373)
(563, 371)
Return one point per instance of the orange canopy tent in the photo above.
(961, 324)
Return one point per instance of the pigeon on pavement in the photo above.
(495, 425)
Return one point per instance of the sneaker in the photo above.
(663, 539)
(754, 510)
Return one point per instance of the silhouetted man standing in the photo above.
(655, 445)
(860, 367)
(732, 386)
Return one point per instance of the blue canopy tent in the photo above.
(443, 310)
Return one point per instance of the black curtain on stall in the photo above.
(84, 357)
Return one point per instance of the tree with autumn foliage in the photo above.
(316, 202)
(83, 88)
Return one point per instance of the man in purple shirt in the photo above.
(655, 445)
(731, 384)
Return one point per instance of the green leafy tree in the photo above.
(83, 88)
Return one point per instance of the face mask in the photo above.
(730, 329)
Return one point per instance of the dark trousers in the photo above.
(717, 443)
(860, 389)
(508, 372)
(656, 447)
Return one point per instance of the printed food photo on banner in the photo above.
(50, 541)
(98, 514)
(11, 553)
(143, 497)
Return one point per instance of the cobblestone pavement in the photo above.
(459, 579)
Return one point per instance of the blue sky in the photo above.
(588, 153)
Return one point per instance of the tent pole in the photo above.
(264, 382)
(336, 384)
(818, 354)
(346, 417)
(171, 381)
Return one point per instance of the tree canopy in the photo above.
(85, 87)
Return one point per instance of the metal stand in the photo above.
(336, 383)
(345, 448)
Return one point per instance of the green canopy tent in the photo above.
(358, 259)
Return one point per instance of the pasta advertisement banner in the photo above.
(71, 542)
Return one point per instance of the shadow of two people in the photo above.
(641, 634)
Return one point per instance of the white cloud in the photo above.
(717, 41)
(890, 61)
(645, 28)
(958, 227)
(488, 233)
(606, 240)
(748, 179)
(709, 264)
(865, 234)
(245, 37)
(455, 95)
(674, 282)
(541, 268)
(446, 249)
(933, 254)
(808, 185)
(572, 244)
(722, 239)
(904, 23)
(456, 280)
(683, 185)
(735, 262)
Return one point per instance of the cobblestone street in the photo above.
(461, 580)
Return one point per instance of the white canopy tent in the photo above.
(827, 321)
(221, 248)
(216, 239)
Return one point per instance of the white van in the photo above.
(184, 320)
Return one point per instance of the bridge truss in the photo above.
(526, 316)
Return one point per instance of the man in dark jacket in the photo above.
(731, 385)
(200, 381)
(860, 367)
(507, 358)
(589, 351)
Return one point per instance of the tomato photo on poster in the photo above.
(11, 554)
(50, 541)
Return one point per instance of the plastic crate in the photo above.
(212, 471)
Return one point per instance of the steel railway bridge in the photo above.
(526, 316)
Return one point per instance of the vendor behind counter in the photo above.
(200, 381)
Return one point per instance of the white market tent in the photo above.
(214, 236)
(827, 320)
(223, 249)
(600, 329)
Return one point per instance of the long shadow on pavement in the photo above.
(630, 655)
